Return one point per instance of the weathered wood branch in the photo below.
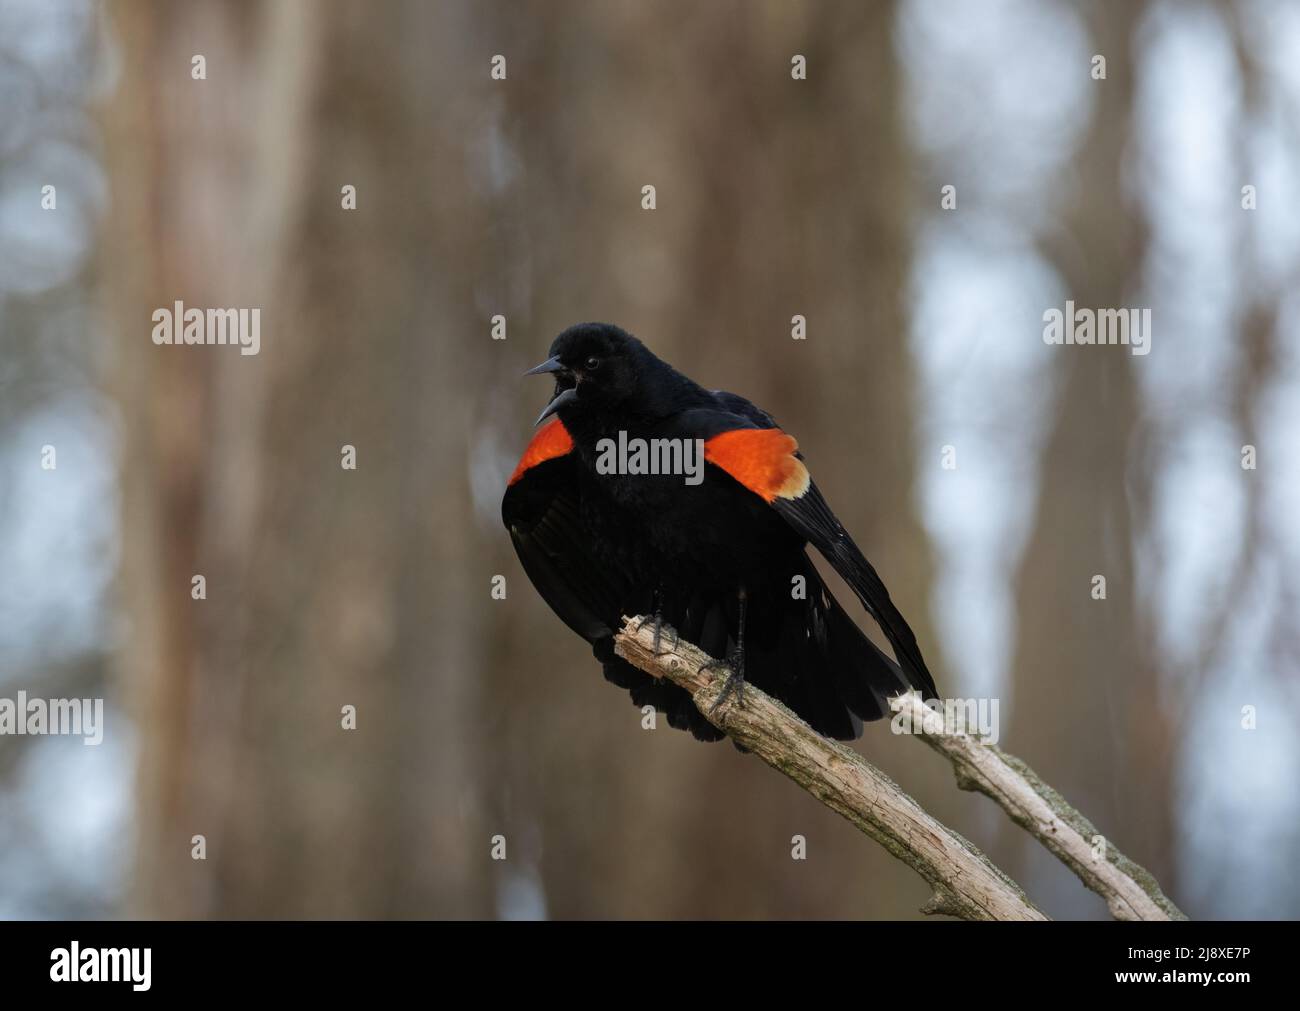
(843, 781)
(1131, 893)
(966, 884)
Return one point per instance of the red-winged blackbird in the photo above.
(721, 560)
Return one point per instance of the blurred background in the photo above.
(522, 197)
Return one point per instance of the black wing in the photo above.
(542, 513)
(540, 510)
(811, 517)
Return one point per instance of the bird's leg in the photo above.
(658, 605)
(654, 613)
(735, 664)
(677, 639)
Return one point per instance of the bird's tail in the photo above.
(863, 676)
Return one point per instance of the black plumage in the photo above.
(598, 546)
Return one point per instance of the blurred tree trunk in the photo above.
(326, 587)
(1110, 753)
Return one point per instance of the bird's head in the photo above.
(597, 367)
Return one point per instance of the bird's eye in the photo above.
(593, 364)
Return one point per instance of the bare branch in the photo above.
(1131, 893)
(965, 882)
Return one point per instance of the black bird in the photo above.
(723, 560)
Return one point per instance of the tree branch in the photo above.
(965, 882)
(1131, 893)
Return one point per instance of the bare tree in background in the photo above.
(326, 587)
(1111, 752)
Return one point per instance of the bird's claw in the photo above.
(677, 639)
(735, 683)
(658, 630)
(658, 639)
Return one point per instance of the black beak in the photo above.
(559, 400)
(550, 365)
(561, 397)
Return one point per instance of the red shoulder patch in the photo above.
(762, 459)
(551, 440)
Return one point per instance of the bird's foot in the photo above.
(677, 640)
(659, 627)
(735, 683)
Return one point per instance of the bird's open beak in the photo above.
(562, 396)
(550, 365)
(559, 400)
